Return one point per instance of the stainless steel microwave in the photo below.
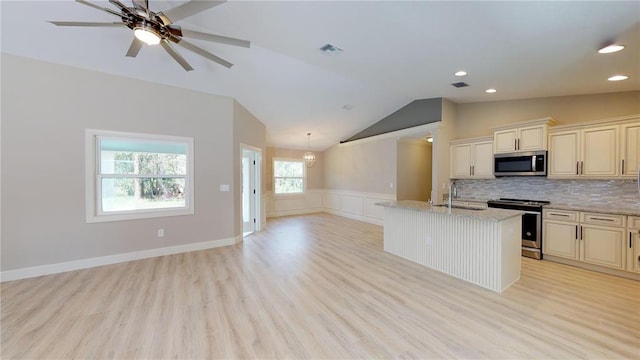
(532, 163)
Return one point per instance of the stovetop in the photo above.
(519, 202)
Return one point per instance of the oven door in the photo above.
(531, 228)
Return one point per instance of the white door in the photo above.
(250, 190)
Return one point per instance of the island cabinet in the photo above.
(606, 149)
(523, 137)
(633, 246)
(481, 246)
(593, 238)
(472, 158)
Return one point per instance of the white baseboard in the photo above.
(49, 269)
(355, 217)
(294, 212)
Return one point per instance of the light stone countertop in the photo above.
(603, 209)
(490, 214)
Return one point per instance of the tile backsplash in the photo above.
(617, 193)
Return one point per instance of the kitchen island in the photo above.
(482, 246)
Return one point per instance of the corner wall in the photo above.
(45, 111)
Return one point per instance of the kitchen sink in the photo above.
(460, 207)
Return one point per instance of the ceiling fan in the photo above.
(155, 28)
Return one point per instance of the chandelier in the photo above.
(309, 158)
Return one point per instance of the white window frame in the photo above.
(93, 191)
(304, 177)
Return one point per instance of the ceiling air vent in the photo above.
(460, 84)
(330, 50)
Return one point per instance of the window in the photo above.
(133, 176)
(288, 176)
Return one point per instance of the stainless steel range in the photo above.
(531, 222)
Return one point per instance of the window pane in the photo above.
(125, 194)
(140, 163)
(288, 169)
(288, 185)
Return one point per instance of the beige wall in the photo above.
(314, 173)
(414, 170)
(45, 111)
(478, 119)
(247, 130)
(364, 166)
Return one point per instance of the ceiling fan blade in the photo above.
(121, 6)
(135, 47)
(189, 46)
(175, 55)
(82, 23)
(99, 7)
(187, 9)
(141, 4)
(215, 38)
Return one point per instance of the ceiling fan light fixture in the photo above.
(147, 35)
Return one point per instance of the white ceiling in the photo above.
(394, 52)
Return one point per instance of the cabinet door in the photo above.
(461, 161)
(532, 138)
(483, 159)
(633, 251)
(564, 148)
(559, 239)
(504, 141)
(600, 151)
(630, 149)
(604, 246)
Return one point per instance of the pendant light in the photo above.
(309, 157)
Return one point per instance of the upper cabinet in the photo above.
(529, 136)
(472, 158)
(600, 150)
(630, 149)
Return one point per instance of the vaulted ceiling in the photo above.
(393, 52)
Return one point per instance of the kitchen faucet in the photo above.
(452, 184)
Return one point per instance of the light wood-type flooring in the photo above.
(315, 286)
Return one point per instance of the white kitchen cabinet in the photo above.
(603, 246)
(530, 136)
(560, 239)
(633, 244)
(630, 149)
(589, 152)
(592, 238)
(472, 159)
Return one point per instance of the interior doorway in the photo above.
(251, 215)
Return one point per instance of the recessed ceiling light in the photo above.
(460, 73)
(618, 78)
(430, 139)
(611, 48)
(490, 91)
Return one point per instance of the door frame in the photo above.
(257, 182)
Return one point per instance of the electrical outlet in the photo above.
(160, 233)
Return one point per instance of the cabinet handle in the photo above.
(518, 144)
(577, 167)
(576, 232)
(515, 144)
(602, 219)
(630, 236)
(622, 167)
(581, 233)
(554, 214)
(581, 167)
(473, 170)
